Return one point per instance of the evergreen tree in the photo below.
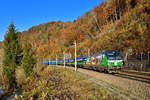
(12, 52)
(28, 60)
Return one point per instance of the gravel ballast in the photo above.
(126, 88)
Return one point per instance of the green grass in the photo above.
(62, 84)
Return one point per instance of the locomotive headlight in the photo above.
(110, 62)
(115, 63)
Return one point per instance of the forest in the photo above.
(112, 25)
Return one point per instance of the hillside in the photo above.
(1, 45)
(1, 53)
(44, 36)
(113, 24)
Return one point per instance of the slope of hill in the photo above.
(44, 36)
(114, 24)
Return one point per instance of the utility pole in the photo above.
(148, 55)
(49, 60)
(75, 56)
(56, 60)
(64, 60)
(88, 52)
(141, 56)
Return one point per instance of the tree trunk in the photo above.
(126, 57)
(136, 55)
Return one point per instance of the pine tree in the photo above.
(11, 58)
(28, 60)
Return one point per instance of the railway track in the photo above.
(131, 78)
(136, 72)
(138, 76)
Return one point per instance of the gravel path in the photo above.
(127, 88)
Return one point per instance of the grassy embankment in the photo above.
(55, 83)
(62, 84)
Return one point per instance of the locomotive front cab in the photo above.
(115, 60)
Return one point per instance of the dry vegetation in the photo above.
(62, 84)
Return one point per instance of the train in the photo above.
(110, 60)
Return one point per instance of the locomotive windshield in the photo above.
(111, 56)
(119, 57)
(115, 55)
